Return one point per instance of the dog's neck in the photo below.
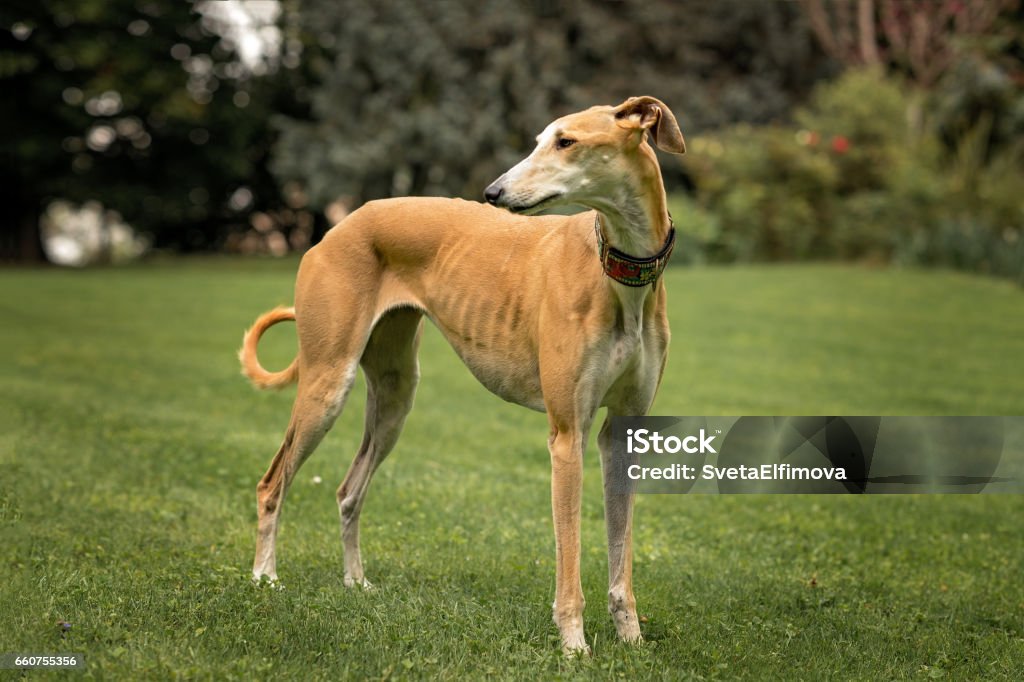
(635, 220)
(635, 217)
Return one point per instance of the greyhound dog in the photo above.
(549, 312)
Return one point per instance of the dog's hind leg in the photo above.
(392, 372)
(321, 395)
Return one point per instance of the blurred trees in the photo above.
(439, 98)
(917, 36)
(145, 107)
(141, 106)
(132, 103)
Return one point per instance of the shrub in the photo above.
(862, 117)
(769, 194)
(860, 176)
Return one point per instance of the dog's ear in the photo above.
(647, 113)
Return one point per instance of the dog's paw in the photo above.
(362, 583)
(269, 581)
(628, 628)
(631, 640)
(574, 645)
(576, 650)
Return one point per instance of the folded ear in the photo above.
(648, 113)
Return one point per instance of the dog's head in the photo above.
(585, 158)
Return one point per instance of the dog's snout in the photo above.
(493, 193)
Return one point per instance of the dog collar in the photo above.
(630, 270)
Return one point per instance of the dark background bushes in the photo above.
(813, 134)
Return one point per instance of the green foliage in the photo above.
(440, 98)
(982, 93)
(762, 172)
(864, 176)
(131, 449)
(867, 110)
(132, 104)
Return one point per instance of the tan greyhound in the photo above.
(549, 312)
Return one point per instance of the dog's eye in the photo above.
(565, 142)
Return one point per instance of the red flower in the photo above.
(840, 145)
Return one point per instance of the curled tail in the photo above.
(251, 367)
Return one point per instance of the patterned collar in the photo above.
(630, 270)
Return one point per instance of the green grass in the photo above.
(130, 448)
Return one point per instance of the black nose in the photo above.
(492, 194)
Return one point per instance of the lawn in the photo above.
(130, 448)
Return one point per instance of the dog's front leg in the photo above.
(566, 447)
(618, 512)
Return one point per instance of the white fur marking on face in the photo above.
(546, 137)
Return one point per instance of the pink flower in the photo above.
(840, 145)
